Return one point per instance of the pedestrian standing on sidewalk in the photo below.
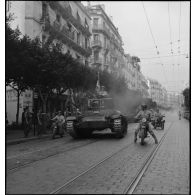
(27, 122)
(39, 122)
(23, 118)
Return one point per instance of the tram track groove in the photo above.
(134, 183)
(89, 169)
(11, 170)
(96, 165)
(43, 158)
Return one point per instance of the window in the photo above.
(78, 57)
(86, 63)
(86, 24)
(78, 17)
(86, 43)
(58, 18)
(95, 37)
(78, 38)
(8, 5)
(44, 10)
(105, 41)
(95, 21)
(69, 27)
(96, 56)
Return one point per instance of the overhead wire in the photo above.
(157, 51)
(164, 56)
(179, 41)
(170, 33)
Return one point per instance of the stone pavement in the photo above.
(45, 175)
(168, 173)
(17, 136)
(115, 174)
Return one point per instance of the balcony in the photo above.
(107, 62)
(67, 15)
(97, 44)
(66, 37)
(106, 48)
(102, 29)
(96, 62)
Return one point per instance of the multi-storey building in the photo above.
(174, 99)
(134, 77)
(65, 21)
(155, 91)
(106, 42)
(144, 87)
(158, 93)
(164, 97)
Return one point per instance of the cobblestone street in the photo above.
(98, 97)
(58, 161)
(169, 171)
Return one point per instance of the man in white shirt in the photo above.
(60, 120)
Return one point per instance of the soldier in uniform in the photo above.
(144, 113)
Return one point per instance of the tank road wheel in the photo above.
(72, 130)
(142, 140)
(120, 125)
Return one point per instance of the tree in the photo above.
(15, 61)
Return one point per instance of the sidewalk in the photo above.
(17, 136)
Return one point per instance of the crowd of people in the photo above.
(41, 121)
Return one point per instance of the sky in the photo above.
(171, 70)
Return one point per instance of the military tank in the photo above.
(99, 115)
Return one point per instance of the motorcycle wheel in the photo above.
(142, 140)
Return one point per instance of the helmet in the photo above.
(144, 106)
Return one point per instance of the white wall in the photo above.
(18, 9)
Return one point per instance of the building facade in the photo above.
(67, 22)
(144, 87)
(155, 91)
(174, 99)
(106, 42)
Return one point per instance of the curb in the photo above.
(22, 140)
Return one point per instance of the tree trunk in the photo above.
(44, 106)
(18, 102)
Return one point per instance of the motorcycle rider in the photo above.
(60, 120)
(144, 113)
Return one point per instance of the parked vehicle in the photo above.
(159, 122)
(99, 115)
(186, 115)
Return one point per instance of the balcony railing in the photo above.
(67, 15)
(67, 38)
(96, 43)
(102, 28)
(96, 61)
